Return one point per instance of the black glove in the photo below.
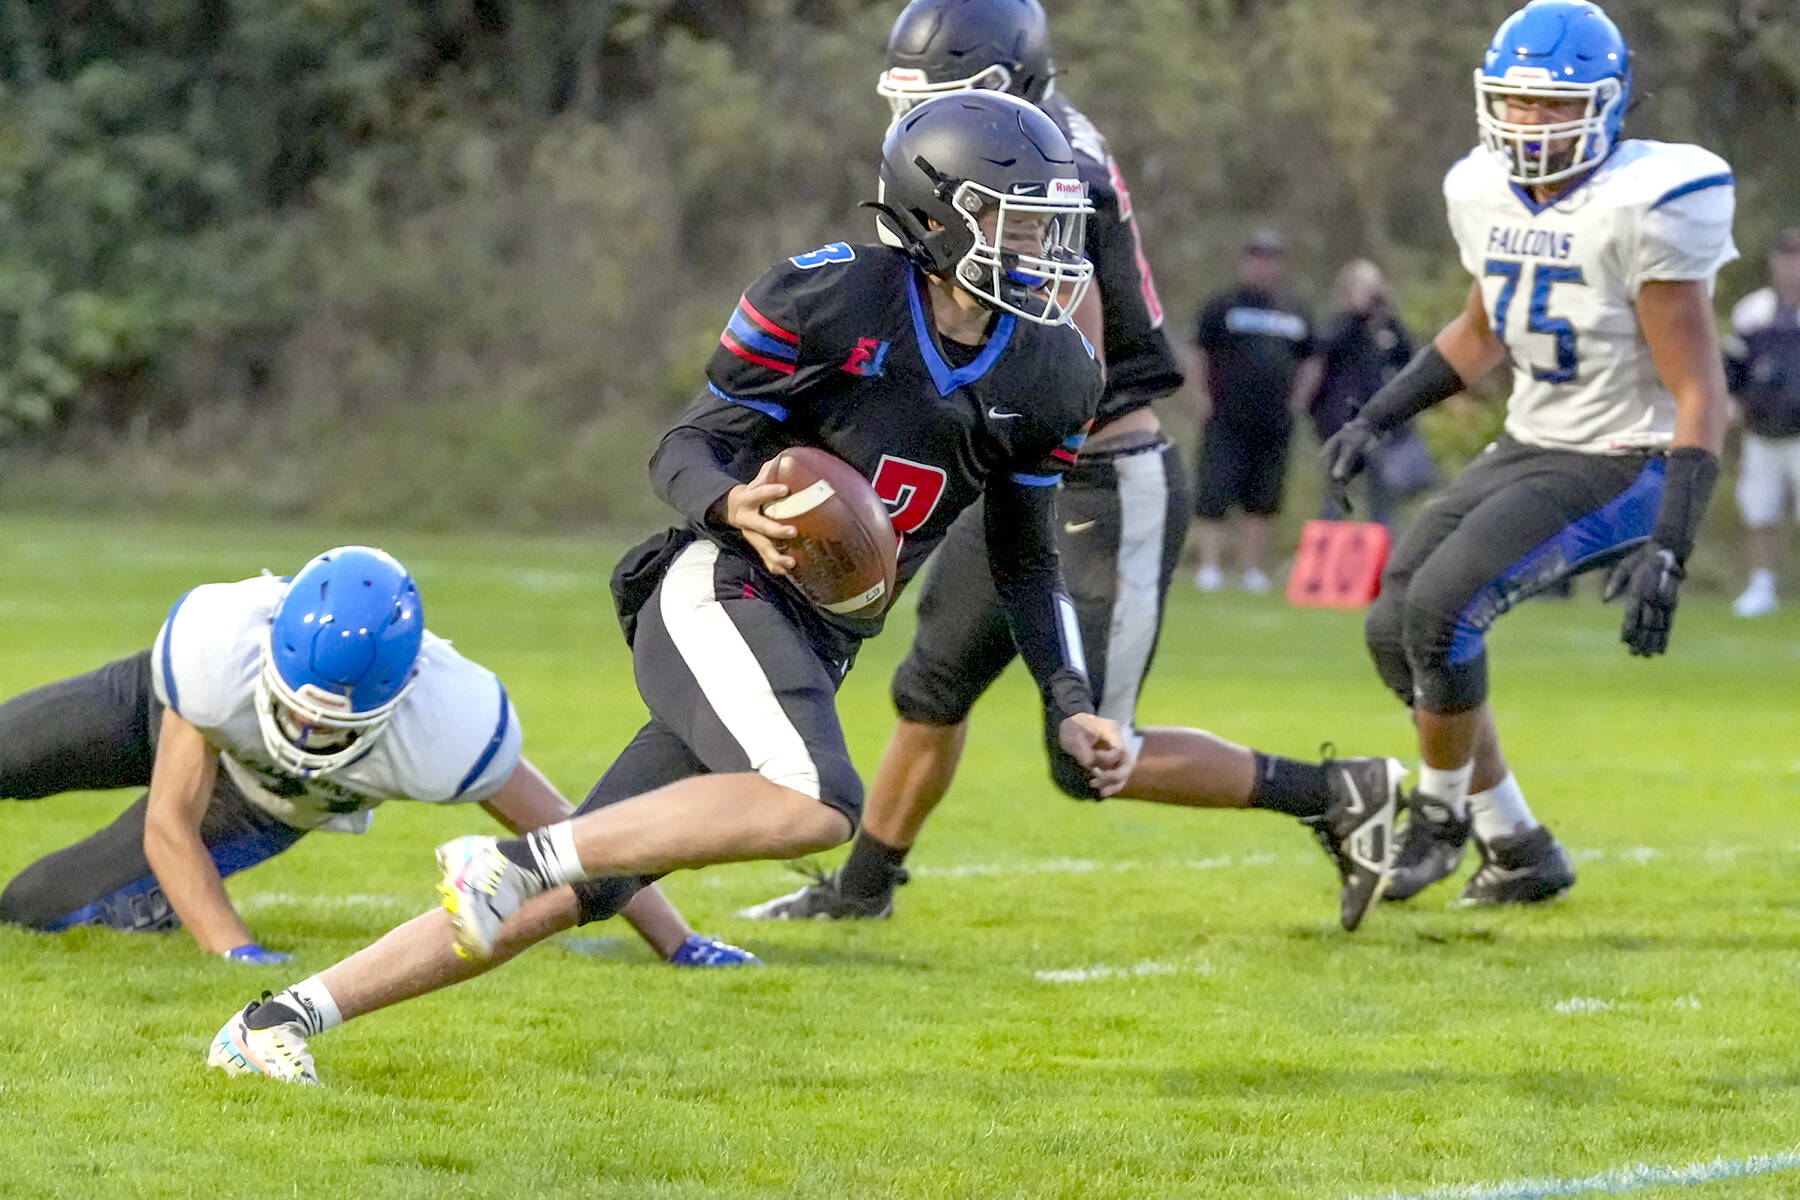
(1648, 579)
(1346, 453)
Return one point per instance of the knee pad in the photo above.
(931, 693)
(602, 898)
(1382, 631)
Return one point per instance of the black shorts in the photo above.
(95, 732)
(1518, 520)
(1240, 466)
(733, 684)
(1121, 516)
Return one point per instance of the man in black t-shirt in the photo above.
(1255, 364)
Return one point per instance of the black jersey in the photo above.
(1139, 363)
(837, 349)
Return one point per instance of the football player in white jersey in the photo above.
(1593, 261)
(265, 710)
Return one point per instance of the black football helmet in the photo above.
(942, 46)
(980, 188)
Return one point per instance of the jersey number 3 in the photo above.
(1539, 320)
(910, 490)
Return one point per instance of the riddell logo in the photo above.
(1067, 189)
(322, 699)
(866, 357)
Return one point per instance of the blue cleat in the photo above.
(702, 951)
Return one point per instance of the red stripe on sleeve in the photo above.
(748, 355)
(768, 326)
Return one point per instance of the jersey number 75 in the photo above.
(1538, 318)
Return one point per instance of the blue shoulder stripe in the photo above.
(761, 342)
(1692, 186)
(493, 746)
(767, 408)
(168, 662)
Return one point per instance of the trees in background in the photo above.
(462, 258)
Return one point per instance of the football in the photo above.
(845, 552)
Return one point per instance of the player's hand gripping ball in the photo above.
(844, 548)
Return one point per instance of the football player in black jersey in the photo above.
(1123, 511)
(943, 367)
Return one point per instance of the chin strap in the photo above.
(931, 249)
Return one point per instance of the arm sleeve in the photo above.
(717, 444)
(1686, 234)
(1137, 353)
(1021, 544)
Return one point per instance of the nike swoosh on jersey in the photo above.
(1079, 527)
(995, 414)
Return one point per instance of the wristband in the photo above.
(1421, 383)
(1691, 473)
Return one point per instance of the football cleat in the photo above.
(702, 951)
(1431, 847)
(481, 887)
(824, 900)
(1357, 831)
(1528, 869)
(278, 1052)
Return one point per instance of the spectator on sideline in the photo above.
(1763, 367)
(1363, 347)
(1254, 369)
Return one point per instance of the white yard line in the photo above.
(1141, 970)
(1616, 1181)
(350, 900)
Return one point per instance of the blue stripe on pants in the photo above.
(1628, 518)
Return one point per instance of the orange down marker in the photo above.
(1339, 564)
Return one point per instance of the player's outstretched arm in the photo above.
(1677, 322)
(181, 786)
(527, 800)
(1464, 350)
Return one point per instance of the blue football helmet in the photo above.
(342, 653)
(1554, 52)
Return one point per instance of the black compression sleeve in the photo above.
(1421, 383)
(1692, 472)
(1022, 553)
(713, 448)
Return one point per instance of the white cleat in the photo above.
(279, 1052)
(481, 887)
(1209, 579)
(1255, 582)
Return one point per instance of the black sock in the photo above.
(873, 867)
(1290, 786)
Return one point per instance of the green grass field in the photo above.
(1082, 1002)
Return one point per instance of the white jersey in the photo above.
(454, 737)
(1560, 282)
